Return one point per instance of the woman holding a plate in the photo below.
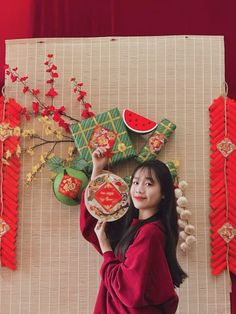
(140, 270)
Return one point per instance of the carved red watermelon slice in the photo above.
(138, 123)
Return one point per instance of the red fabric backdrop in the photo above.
(90, 18)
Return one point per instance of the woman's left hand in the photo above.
(102, 237)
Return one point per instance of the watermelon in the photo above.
(138, 123)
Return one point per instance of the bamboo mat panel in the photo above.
(175, 77)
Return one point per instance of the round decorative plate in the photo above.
(107, 197)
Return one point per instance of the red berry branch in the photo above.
(46, 113)
(39, 107)
(77, 89)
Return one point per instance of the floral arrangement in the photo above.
(54, 120)
(55, 125)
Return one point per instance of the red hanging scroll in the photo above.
(223, 185)
(10, 172)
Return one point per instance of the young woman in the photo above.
(140, 270)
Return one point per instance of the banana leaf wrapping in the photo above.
(173, 170)
(106, 129)
(156, 141)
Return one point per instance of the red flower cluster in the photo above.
(56, 116)
(25, 113)
(39, 107)
(86, 113)
(52, 68)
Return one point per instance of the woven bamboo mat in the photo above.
(175, 77)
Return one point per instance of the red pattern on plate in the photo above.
(108, 196)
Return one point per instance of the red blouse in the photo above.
(142, 282)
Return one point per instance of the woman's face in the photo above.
(145, 191)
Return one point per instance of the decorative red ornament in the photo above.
(108, 196)
(3, 227)
(11, 111)
(227, 232)
(70, 186)
(226, 147)
(223, 185)
(156, 142)
(102, 137)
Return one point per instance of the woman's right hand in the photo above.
(99, 160)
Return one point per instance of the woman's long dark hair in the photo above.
(166, 214)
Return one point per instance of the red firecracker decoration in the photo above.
(10, 113)
(223, 185)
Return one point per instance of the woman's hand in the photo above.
(99, 161)
(102, 237)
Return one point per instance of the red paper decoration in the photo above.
(102, 137)
(10, 172)
(156, 142)
(223, 185)
(108, 196)
(70, 186)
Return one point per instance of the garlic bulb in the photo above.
(183, 185)
(182, 223)
(190, 240)
(183, 235)
(178, 193)
(179, 210)
(182, 201)
(185, 247)
(185, 214)
(189, 229)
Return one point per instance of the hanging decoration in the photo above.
(223, 184)
(10, 112)
(187, 233)
(107, 197)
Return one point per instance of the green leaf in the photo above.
(56, 164)
(127, 179)
(78, 164)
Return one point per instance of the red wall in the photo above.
(16, 20)
(77, 18)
